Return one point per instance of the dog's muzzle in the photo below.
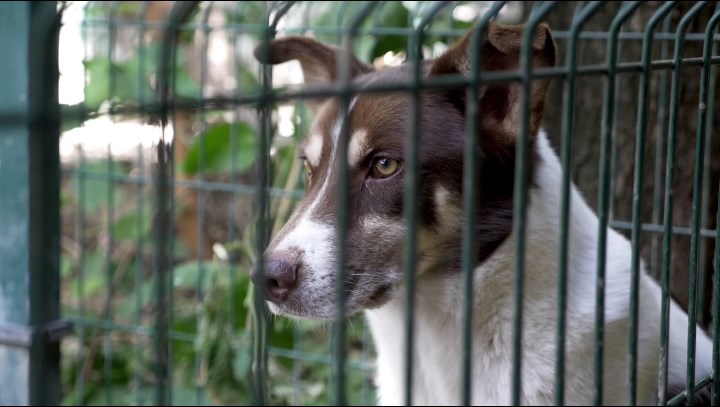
(278, 281)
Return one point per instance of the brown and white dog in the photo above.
(300, 262)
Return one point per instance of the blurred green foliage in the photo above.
(211, 360)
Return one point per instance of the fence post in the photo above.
(30, 327)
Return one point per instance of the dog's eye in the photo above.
(385, 167)
(308, 169)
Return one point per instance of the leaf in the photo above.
(216, 150)
(66, 267)
(242, 363)
(128, 81)
(187, 275)
(126, 228)
(97, 88)
(367, 47)
(93, 279)
(393, 14)
(247, 12)
(246, 80)
(185, 86)
(95, 192)
(282, 335)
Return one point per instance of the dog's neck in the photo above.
(439, 300)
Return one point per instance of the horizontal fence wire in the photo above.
(252, 97)
(393, 31)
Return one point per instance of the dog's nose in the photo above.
(279, 279)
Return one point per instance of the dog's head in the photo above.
(301, 261)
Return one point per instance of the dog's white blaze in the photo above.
(337, 127)
(313, 149)
(358, 147)
(315, 240)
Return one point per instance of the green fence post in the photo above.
(29, 205)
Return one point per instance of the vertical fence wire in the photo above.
(110, 272)
(472, 154)
(606, 126)
(696, 206)
(166, 188)
(715, 388)
(201, 194)
(641, 130)
(139, 206)
(520, 193)
(617, 111)
(80, 236)
(164, 175)
(705, 211)
(260, 331)
(659, 149)
(669, 188)
(566, 157)
(299, 131)
(411, 191)
(232, 235)
(338, 328)
(346, 99)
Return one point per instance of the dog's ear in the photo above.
(499, 50)
(319, 62)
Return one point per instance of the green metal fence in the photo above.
(134, 204)
(30, 324)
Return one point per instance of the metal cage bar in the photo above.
(637, 191)
(30, 325)
(696, 204)
(473, 148)
(567, 125)
(520, 194)
(607, 120)
(342, 193)
(669, 177)
(412, 188)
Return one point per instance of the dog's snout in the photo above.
(278, 280)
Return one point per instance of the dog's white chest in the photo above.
(438, 361)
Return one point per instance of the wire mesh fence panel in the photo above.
(447, 207)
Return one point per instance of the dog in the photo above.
(300, 262)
